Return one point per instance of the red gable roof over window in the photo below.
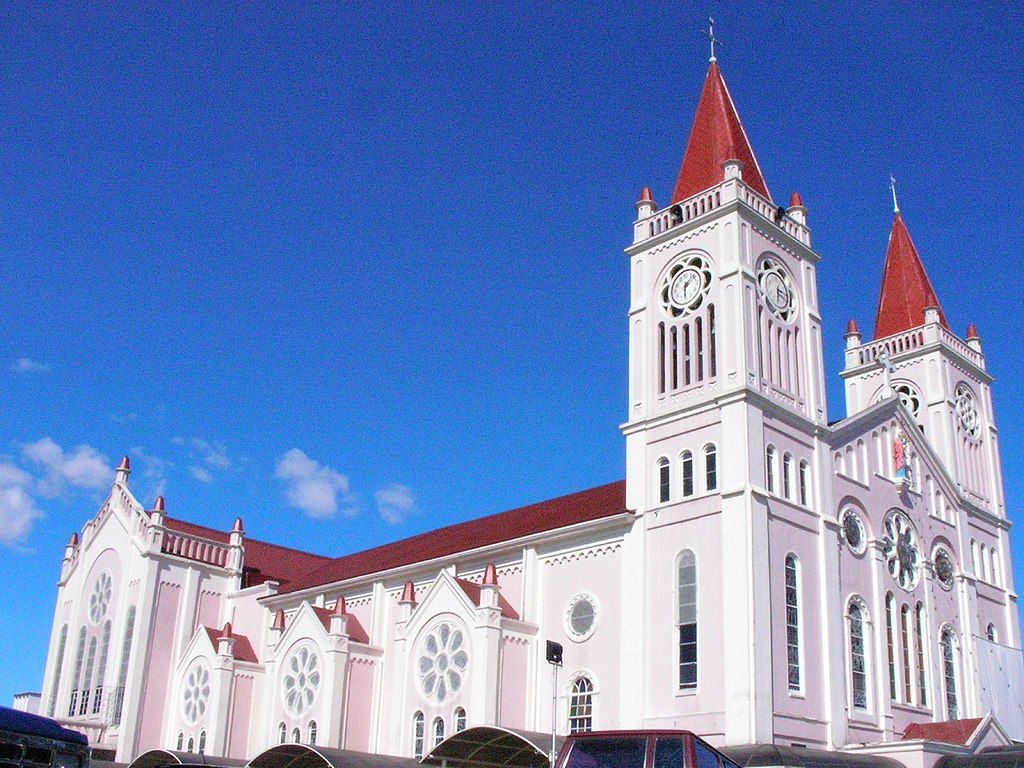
(241, 650)
(949, 731)
(717, 135)
(906, 289)
(592, 504)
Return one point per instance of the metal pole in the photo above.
(554, 710)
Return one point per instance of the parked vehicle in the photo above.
(640, 749)
(31, 741)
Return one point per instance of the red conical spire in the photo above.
(906, 289)
(717, 135)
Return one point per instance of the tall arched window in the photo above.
(122, 674)
(787, 475)
(418, 725)
(581, 706)
(57, 667)
(908, 676)
(202, 742)
(664, 484)
(311, 732)
(793, 623)
(76, 677)
(687, 619)
(191, 744)
(460, 719)
(101, 668)
(858, 657)
(710, 467)
(90, 661)
(922, 673)
(949, 674)
(890, 642)
(805, 471)
(438, 730)
(990, 632)
(282, 733)
(181, 741)
(686, 466)
(296, 736)
(769, 469)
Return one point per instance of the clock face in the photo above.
(775, 291)
(686, 287)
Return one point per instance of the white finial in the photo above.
(892, 185)
(709, 33)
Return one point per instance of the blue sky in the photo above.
(354, 270)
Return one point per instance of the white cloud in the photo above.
(153, 471)
(17, 508)
(314, 488)
(28, 365)
(202, 474)
(395, 503)
(80, 467)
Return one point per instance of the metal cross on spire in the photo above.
(892, 185)
(709, 33)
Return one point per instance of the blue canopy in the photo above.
(33, 725)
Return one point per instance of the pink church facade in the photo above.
(762, 575)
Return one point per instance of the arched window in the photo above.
(202, 742)
(922, 673)
(282, 733)
(949, 673)
(664, 485)
(76, 677)
(995, 567)
(805, 470)
(122, 674)
(710, 467)
(90, 661)
(908, 676)
(181, 741)
(687, 618)
(101, 669)
(769, 469)
(793, 623)
(974, 559)
(581, 706)
(191, 745)
(990, 632)
(296, 736)
(311, 732)
(858, 657)
(417, 735)
(438, 730)
(57, 667)
(787, 475)
(890, 642)
(460, 719)
(686, 466)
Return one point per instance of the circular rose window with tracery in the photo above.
(901, 550)
(442, 661)
(196, 697)
(685, 287)
(301, 681)
(967, 411)
(99, 600)
(945, 572)
(909, 397)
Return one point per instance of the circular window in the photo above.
(944, 569)
(442, 662)
(901, 551)
(99, 600)
(196, 697)
(685, 287)
(853, 532)
(301, 681)
(581, 616)
(909, 397)
(777, 289)
(967, 411)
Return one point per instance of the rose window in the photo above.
(910, 398)
(685, 287)
(442, 662)
(853, 531)
(944, 570)
(967, 411)
(301, 680)
(99, 600)
(901, 551)
(581, 617)
(196, 698)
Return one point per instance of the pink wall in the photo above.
(158, 664)
(209, 609)
(358, 704)
(238, 745)
(512, 703)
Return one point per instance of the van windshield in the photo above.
(608, 752)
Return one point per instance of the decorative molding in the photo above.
(584, 554)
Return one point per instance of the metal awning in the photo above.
(309, 756)
(492, 746)
(155, 758)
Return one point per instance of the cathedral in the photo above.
(762, 575)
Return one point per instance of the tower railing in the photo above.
(908, 341)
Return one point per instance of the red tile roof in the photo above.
(592, 504)
(472, 591)
(242, 650)
(263, 561)
(352, 626)
(906, 289)
(949, 731)
(717, 135)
